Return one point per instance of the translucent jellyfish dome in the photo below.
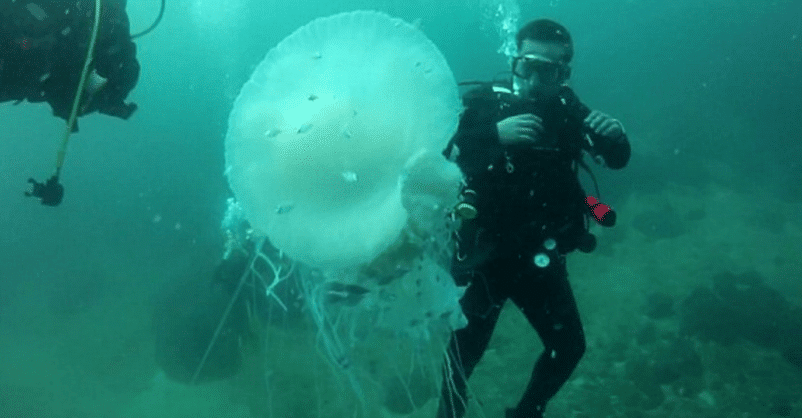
(321, 137)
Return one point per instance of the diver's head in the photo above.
(541, 66)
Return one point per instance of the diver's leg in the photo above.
(548, 303)
(481, 304)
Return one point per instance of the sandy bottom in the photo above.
(96, 359)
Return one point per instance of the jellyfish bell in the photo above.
(323, 135)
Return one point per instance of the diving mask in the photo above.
(548, 71)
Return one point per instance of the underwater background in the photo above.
(692, 304)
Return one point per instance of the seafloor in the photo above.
(649, 353)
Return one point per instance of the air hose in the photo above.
(74, 113)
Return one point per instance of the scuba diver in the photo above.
(44, 47)
(43, 50)
(519, 147)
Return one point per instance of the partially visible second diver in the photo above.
(43, 51)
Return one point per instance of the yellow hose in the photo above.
(71, 122)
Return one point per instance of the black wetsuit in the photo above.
(527, 197)
(43, 47)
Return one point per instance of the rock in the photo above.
(659, 224)
(676, 360)
(659, 306)
(743, 307)
(794, 355)
(646, 335)
(781, 406)
(707, 317)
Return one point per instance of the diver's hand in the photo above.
(50, 192)
(604, 125)
(519, 129)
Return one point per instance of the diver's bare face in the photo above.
(533, 86)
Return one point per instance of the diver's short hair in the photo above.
(545, 30)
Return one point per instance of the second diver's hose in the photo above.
(154, 24)
(62, 151)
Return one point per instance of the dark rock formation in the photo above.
(743, 307)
